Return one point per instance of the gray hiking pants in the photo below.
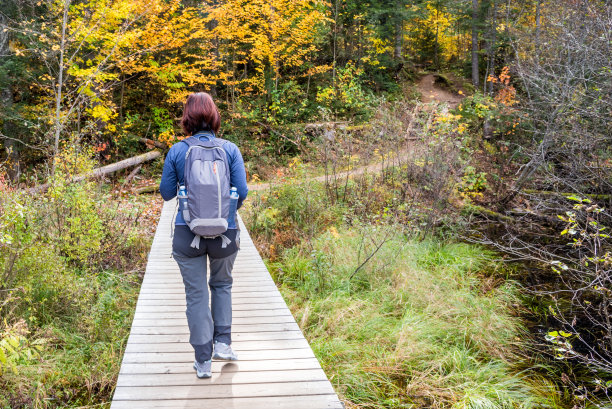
(206, 324)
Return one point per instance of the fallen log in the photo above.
(132, 175)
(147, 189)
(151, 143)
(105, 170)
(566, 194)
(326, 125)
(483, 211)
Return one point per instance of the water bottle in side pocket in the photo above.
(183, 206)
(231, 219)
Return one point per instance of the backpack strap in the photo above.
(194, 140)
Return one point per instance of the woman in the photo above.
(210, 329)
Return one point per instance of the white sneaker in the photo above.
(203, 370)
(224, 351)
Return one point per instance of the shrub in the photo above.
(284, 217)
(69, 261)
(349, 97)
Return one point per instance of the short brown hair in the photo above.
(200, 114)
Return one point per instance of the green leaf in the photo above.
(574, 198)
(565, 334)
(14, 342)
(553, 333)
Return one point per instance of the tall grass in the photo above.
(414, 327)
(395, 320)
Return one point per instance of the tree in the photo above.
(565, 179)
(475, 17)
(259, 43)
(78, 53)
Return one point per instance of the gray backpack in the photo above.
(207, 180)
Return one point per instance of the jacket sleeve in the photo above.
(238, 174)
(169, 180)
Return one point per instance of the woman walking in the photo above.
(209, 328)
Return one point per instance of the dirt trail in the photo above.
(373, 168)
(432, 92)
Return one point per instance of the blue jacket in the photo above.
(174, 169)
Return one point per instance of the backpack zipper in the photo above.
(218, 185)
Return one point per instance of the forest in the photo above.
(430, 187)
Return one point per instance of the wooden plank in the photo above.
(221, 366)
(238, 346)
(161, 330)
(243, 355)
(207, 389)
(235, 291)
(175, 277)
(226, 377)
(176, 274)
(238, 308)
(181, 308)
(238, 271)
(178, 296)
(238, 287)
(243, 300)
(243, 256)
(176, 322)
(279, 402)
(179, 289)
(240, 336)
(235, 313)
(237, 299)
(238, 281)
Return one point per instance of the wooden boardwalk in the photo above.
(276, 367)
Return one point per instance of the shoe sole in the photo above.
(225, 357)
(205, 374)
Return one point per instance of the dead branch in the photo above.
(151, 143)
(565, 194)
(105, 170)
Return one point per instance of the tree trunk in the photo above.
(6, 101)
(491, 39)
(60, 85)
(335, 45)
(437, 44)
(399, 34)
(475, 75)
(537, 22)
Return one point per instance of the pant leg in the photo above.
(220, 283)
(192, 264)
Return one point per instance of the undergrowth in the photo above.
(70, 266)
(397, 318)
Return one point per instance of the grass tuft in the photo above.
(412, 327)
